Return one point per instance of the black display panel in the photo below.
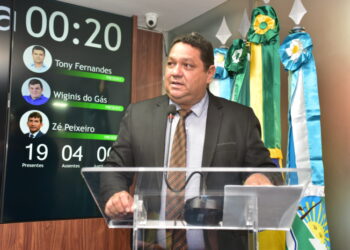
(70, 85)
(5, 49)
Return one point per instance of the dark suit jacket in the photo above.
(37, 135)
(232, 139)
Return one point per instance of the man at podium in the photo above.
(198, 130)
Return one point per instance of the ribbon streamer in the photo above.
(310, 228)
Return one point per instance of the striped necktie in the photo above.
(176, 180)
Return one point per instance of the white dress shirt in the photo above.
(195, 132)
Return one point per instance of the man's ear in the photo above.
(211, 73)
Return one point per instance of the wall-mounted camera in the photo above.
(151, 20)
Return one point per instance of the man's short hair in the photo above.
(38, 47)
(196, 40)
(36, 115)
(35, 81)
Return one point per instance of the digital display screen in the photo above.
(70, 84)
(5, 48)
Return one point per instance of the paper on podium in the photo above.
(261, 207)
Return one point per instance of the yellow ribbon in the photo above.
(256, 83)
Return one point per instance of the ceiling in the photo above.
(171, 14)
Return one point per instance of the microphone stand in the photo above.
(171, 115)
(201, 210)
(167, 142)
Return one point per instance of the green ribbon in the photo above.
(241, 90)
(271, 94)
(237, 64)
(271, 72)
(236, 57)
(271, 34)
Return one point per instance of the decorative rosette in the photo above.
(296, 50)
(264, 25)
(236, 57)
(219, 61)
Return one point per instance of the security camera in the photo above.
(151, 20)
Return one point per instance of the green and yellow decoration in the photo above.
(263, 36)
(237, 64)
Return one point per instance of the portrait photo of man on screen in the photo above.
(37, 59)
(35, 94)
(34, 124)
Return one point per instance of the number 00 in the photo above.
(52, 31)
(103, 153)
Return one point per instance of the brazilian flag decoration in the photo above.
(310, 227)
(255, 66)
(263, 36)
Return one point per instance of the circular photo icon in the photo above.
(36, 91)
(34, 124)
(37, 58)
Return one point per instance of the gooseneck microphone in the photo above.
(171, 112)
(199, 210)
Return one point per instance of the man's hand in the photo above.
(257, 180)
(119, 203)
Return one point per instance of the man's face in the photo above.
(35, 91)
(34, 124)
(186, 79)
(38, 56)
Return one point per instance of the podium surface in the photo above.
(225, 205)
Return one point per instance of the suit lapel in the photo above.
(159, 129)
(214, 119)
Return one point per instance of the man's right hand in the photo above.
(120, 203)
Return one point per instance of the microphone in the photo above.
(199, 210)
(171, 112)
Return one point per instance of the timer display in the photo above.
(49, 24)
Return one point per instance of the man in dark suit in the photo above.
(220, 134)
(34, 123)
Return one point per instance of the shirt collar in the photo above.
(39, 98)
(43, 66)
(34, 134)
(198, 108)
